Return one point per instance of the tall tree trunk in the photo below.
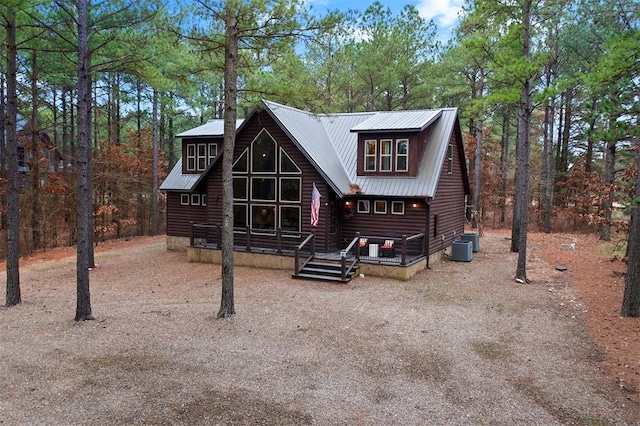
(227, 305)
(154, 191)
(547, 160)
(609, 177)
(83, 303)
(504, 156)
(566, 133)
(13, 206)
(478, 172)
(35, 157)
(631, 298)
(524, 161)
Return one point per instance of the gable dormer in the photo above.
(392, 143)
(201, 145)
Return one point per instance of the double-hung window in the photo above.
(402, 155)
(370, 153)
(385, 155)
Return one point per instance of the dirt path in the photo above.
(459, 344)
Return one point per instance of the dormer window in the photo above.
(402, 155)
(370, 154)
(386, 155)
(200, 155)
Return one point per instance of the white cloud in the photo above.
(443, 12)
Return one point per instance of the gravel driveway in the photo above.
(457, 345)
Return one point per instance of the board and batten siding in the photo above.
(448, 205)
(179, 217)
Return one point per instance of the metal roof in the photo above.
(210, 128)
(330, 143)
(177, 181)
(398, 121)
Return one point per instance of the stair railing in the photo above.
(309, 240)
(344, 254)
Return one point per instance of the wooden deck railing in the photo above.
(310, 240)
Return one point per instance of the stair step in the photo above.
(321, 271)
(319, 277)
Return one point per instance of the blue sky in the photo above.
(443, 12)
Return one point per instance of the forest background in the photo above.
(157, 69)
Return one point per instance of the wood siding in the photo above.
(179, 217)
(449, 203)
(250, 130)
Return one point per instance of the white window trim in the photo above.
(389, 155)
(203, 199)
(366, 206)
(450, 159)
(375, 207)
(287, 206)
(374, 155)
(184, 199)
(250, 156)
(275, 187)
(263, 231)
(398, 155)
(397, 203)
(195, 199)
(283, 152)
(246, 187)
(299, 200)
(246, 215)
(201, 155)
(192, 156)
(211, 156)
(246, 151)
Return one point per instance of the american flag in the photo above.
(315, 206)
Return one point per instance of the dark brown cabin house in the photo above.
(392, 189)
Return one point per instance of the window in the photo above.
(370, 156)
(402, 155)
(385, 155)
(241, 164)
(202, 156)
(290, 218)
(263, 154)
(450, 159)
(203, 199)
(184, 199)
(290, 189)
(397, 207)
(213, 152)
(263, 217)
(286, 164)
(263, 189)
(195, 199)
(191, 157)
(240, 216)
(380, 207)
(266, 201)
(240, 188)
(363, 206)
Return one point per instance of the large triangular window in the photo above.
(241, 165)
(263, 154)
(287, 165)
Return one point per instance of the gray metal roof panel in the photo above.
(210, 128)
(177, 181)
(425, 183)
(395, 121)
(309, 132)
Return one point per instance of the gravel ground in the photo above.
(460, 344)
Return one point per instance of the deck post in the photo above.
(313, 243)
(191, 236)
(358, 246)
(403, 260)
(248, 240)
(297, 260)
(279, 240)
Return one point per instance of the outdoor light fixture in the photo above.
(415, 205)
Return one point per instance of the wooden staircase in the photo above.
(324, 271)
